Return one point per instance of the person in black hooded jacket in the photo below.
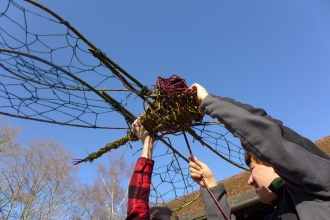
(287, 170)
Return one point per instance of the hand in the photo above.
(145, 137)
(139, 131)
(201, 92)
(198, 170)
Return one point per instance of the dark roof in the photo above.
(238, 191)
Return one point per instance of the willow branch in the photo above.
(56, 67)
(62, 123)
(58, 87)
(127, 114)
(59, 18)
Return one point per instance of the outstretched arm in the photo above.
(139, 187)
(301, 164)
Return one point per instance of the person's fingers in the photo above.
(195, 176)
(192, 158)
(133, 130)
(195, 172)
(134, 123)
(138, 121)
(194, 86)
(134, 127)
(201, 91)
(194, 166)
(199, 163)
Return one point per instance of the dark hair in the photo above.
(251, 157)
(157, 211)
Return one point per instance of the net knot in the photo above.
(116, 104)
(64, 22)
(143, 91)
(97, 52)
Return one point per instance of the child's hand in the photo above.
(146, 138)
(139, 131)
(198, 170)
(201, 92)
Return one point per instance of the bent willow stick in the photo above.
(62, 78)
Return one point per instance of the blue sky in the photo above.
(270, 54)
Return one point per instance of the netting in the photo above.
(173, 109)
(51, 73)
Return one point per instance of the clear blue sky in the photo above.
(270, 54)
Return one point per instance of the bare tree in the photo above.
(106, 197)
(8, 135)
(86, 203)
(38, 182)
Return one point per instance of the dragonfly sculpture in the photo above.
(51, 73)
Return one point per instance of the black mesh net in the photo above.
(51, 73)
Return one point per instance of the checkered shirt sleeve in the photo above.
(139, 190)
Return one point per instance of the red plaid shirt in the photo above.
(139, 190)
